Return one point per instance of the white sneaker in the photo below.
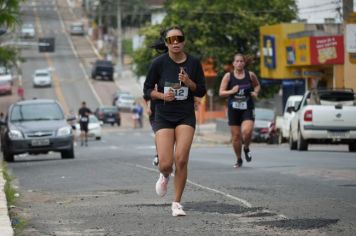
(161, 185)
(177, 209)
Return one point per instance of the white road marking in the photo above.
(80, 63)
(227, 195)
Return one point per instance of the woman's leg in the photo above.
(247, 128)
(236, 140)
(165, 148)
(184, 135)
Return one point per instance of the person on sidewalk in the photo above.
(240, 86)
(83, 114)
(178, 77)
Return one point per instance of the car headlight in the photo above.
(15, 134)
(64, 131)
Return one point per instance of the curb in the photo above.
(5, 223)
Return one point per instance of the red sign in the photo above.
(327, 50)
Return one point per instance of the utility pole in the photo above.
(347, 8)
(119, 66)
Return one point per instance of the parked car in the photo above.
(117, 94)
(6, 75)
(5, 87)
(264, 129)
(108, 114)
(42, 78)
(28, 31)
(103, 69)
(94, 127)
(126, 102)
(77, 28)
(324, 116)
(36, 127)
(283, 122)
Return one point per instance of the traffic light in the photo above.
(46, 44)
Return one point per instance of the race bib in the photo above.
(239, 105)
(180, 93)
(84, 119)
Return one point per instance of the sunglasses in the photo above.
(172, 39)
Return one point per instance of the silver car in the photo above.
(77, 28)
(42, 78)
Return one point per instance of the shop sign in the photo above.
(327, 50)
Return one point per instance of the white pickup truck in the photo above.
(283, 122)
(325, 116)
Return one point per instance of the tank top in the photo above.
(242, 100)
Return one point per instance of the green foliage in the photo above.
(217, 29)
(9, 18)
(127, 46)
(9, 13)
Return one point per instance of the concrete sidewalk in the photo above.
(5, 223)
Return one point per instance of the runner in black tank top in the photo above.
(240, 86)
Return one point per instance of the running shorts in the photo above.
(84, 126)
(236, 117)
(160, 123)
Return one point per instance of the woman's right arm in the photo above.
(223, 92)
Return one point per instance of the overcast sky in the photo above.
(315, 11)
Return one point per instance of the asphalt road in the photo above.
(108, 189)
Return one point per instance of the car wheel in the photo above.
(302, 144)
(67, 154)
(292, 143)
(112, 124)
(352, 146)
(8, 157)
(98, 138)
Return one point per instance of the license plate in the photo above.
(111, 119)
(338, 134)
(40, 142)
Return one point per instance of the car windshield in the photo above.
(110, 109)
(264, 114)
(41, 74)
(34, 112)
(27, 26)
(127, 97)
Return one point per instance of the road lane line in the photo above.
(227, 195)
(86, 76)
(56, 79)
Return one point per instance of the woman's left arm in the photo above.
(255, 84)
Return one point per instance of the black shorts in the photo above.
(152, 121)
(236, 117)
(84, 126)
(160, 123)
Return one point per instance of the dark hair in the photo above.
(159, 44)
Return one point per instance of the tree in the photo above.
(217, 29)
(9, 18)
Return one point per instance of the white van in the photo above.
(283, 122)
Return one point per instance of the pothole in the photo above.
(300, 224)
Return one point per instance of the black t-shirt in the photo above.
(164, 72)
(84, 113)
